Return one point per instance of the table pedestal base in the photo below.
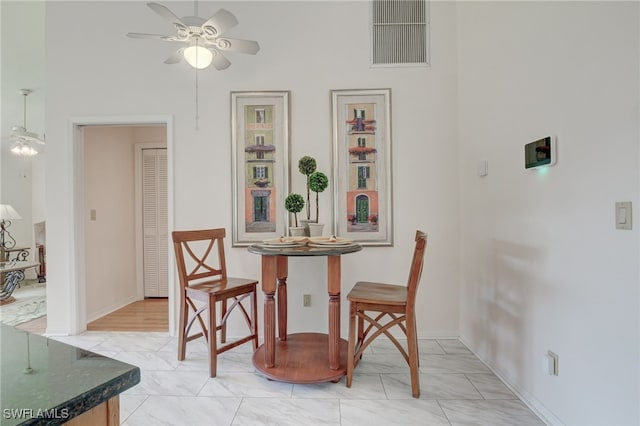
(302, 358)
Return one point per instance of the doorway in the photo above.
(116, 189)
(103, 283)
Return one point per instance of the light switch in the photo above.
(551, 363)
(623, 215)
(483, 168)
(92, 214)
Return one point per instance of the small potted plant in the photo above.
(294, 203)
(318, 182)
(306, 166)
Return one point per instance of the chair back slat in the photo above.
(416, 267)
(196, 256)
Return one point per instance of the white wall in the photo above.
(16, 172)
(17, 177)
(542, 265)
(110, 236)
(300, 52)
(25, 52)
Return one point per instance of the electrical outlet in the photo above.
(306, 300)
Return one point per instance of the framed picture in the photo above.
(362, 165)
(260, 165)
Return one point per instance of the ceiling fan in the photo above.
(203, 38)
(21, 136)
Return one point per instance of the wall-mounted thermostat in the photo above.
(540, 153)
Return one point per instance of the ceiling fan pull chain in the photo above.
(24, 109)
(197, 101)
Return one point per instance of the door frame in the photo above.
(78, 314)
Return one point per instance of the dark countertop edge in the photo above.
(90, 399)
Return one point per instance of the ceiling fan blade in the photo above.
(175, 58)
(220, 21)
(38, 140)
(237, 45)
(164, 12)
(219, 61)
(154, 36)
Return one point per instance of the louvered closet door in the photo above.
(154, 222)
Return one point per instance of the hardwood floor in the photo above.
(36, 326)
(143, 315)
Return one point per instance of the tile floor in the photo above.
(456, 388)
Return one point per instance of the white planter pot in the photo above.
(305, 223)
(296, 231)
(315, 229)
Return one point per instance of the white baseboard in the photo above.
(530, 401)
(439, 334)
(112, 308)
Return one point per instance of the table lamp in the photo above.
(7, 213)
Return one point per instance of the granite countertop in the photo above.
(49, 382)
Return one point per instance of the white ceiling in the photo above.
(22, 59)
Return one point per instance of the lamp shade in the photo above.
(8, 212)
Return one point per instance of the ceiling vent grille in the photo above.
(399, 32)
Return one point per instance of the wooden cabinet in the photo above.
(105, 414)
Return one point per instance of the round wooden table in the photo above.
(300, 357)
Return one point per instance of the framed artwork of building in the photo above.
(260, 165)
(361, 160)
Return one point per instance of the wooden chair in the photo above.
(391, 305)
(203, 277)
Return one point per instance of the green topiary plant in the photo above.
(318, 182)
(307, 165)
(294, 203)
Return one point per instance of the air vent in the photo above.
(399, 32)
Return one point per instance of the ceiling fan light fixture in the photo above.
(198, 56)
(201, 36)
(22, 137)
(24, 133)
(23, 149)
